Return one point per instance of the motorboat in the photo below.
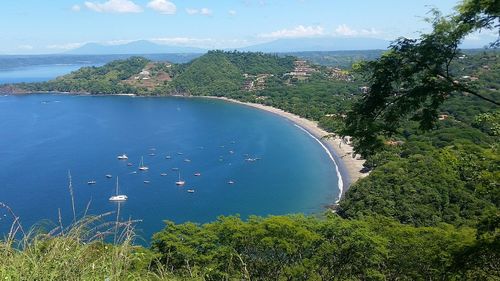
(122, 157)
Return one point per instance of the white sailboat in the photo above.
(118, 197)
(180, 182)
(141, 166)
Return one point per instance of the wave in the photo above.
(339, 175)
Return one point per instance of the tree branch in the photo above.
(470, 91)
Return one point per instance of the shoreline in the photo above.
(340, 151)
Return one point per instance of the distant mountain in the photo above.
(136, 47)
(318, 44)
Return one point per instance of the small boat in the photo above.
(163, 174)
(152, 154)
(179, 153)
(129, 164)
(122, 157)
(118, 197)
(146, 182)
(91, 182)
(142, 167)
(109, 176)
(197, 174)
(133, 172)
(175, 169)
(251, 159)
(190, 190)
(187, 160)
(180, 182)
(168, 157)
(231, 152)
(230, 182)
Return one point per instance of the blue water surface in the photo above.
(37, 73)
(42, 137)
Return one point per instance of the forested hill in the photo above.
(213, 73)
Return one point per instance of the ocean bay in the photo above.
(44, 136)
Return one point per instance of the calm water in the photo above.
(37, 73)
(44, 136)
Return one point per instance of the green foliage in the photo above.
(259, 63)
(95, 80)
(489, 123)
(310, 99)
(427, 189)
(76, 252)
(340, 59)
(291, 247)
(306, 248)
(414, 78)
(211, 74)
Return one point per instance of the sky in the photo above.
(56, 26)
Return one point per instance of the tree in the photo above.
(413, 79)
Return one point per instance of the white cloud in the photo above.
(208, 43)
(232, 12)
(206, 11)
(67, 46)
(114, 6)
(191, 11)
(370, 32)
(345, 30)
(76, 8)
(181, 40)
(25, 47)
(118, 42)
(163, 6)
(298, 31)
(202, 11)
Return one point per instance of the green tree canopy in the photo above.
(414, 78)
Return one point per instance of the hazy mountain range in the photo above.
(319, 44)
(277, 46)
(135, 47)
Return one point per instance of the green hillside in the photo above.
(211, 74)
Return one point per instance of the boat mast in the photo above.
(116, 185)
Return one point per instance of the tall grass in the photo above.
(78, 251)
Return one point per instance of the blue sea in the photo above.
(38, 73)
(43, 136)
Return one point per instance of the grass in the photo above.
(81, 250)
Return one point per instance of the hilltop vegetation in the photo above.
(273, 248)
(448, 174)
(106, 79)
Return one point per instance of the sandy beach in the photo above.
(349, 166)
